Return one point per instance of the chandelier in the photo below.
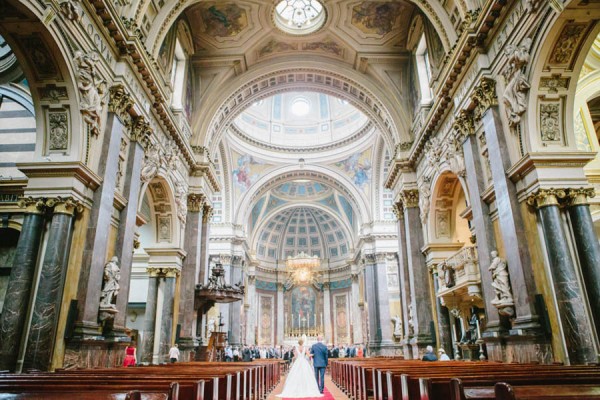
(302, 268)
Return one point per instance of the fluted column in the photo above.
(573, 316)
(280, 317)
(356, 314)
(96, 241)
(150, 316)
(44, 319)
(20, 282)
(588, 249)
(512, 227)
(405, 296)
(327, 314)
(127, 221)
(420, 305)
(167, 338)
(193, 243)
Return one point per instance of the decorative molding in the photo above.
(551, 122)
(567, 43)
(58, 130)
(91, 87)
(554, 83)
(517, 86)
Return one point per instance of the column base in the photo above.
(384, 348)
(187, 348)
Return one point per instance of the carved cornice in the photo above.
(546, 197)
(578, 197)
(195, 202)
(120, 101)
(484, 96)
(410, 198)
(32, 206)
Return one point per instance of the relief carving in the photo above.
(91, 88)
(424, 199)
(151, 163)
(71, 10)
(550, 126)
(181, 201)
(515, 95)
(58, 130)
(567, 43)
(456, 159)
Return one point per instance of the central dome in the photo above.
(300, 119)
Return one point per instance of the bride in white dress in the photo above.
(301, 381)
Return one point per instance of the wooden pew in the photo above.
(504, 391)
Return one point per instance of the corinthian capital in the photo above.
(464, 124)
(120, 101)
(410, 198)
(484, 95)
(195, 202)
(546, 197)
(140, 131)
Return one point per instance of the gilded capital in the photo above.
(67, 206)
(410, 198)
(172, 272)
(207, 214)
(195, 202)
(32, 206)
(577, 197)
(153, 272)
(546, 197)
(398, 209)
(484, 95)
(464, 124)
(120, 101)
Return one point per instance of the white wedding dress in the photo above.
(300, 382)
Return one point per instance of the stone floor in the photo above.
(329, 385)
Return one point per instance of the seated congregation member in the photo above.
(429, 356)
(442, 355)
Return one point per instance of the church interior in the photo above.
(390, 174)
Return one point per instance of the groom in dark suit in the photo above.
(319, 354)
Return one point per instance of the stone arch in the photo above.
(558, 52)
(316, 173)
(47, 62)
(272, 77)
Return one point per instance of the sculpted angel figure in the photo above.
(151, 163)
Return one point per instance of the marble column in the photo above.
(443, 319)
(44, 319)
(166, 338)
(235, 308)
(252, 305)
(356, 312)
(422, 313)
(405, 296)
(204, 273)
(512, 227)
(225, 309)
(380, 324)
(327, 314)
(126, 232)
(189, 272)
(96, 241)
(576, 326)
(588, 249)
(280, 315)
(150, 316)
(484, 229)
(20, 282)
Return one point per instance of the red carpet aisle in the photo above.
(331, 391)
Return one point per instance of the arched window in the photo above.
(178, 76)
(424, 71)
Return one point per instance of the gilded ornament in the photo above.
(546, 197)
(410, 198)
(119, 101)
(32, 206)
(579, 196)
(195, 202)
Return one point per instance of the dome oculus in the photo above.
(300, 107)
(299, 17)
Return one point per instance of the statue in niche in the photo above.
(501, 284)
(397, 326)
(112, 275)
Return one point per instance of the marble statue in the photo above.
(500, 282)
(112, 275)
(515, 95)
(210, 327)
(151, 163)
(411, 324)
(91, 88)
(397, 326)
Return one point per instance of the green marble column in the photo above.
(588, 248)
(576, 326)
(20, 282)
(44, 320)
